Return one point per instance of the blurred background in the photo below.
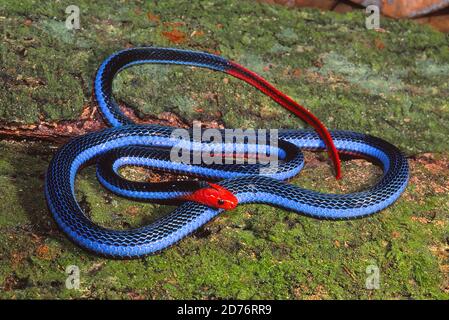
(433, 12)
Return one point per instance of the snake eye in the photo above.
(220, 202)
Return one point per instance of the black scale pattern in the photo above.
(190, 216)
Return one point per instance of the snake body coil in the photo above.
(125, 141)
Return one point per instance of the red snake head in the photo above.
(214, 196)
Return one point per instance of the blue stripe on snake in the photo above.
(189, 216)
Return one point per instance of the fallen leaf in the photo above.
(43, 252)
(174, 36)
(379, 44)
(197, 33)
(395, 234)
(153, 17)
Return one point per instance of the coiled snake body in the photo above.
(127, 143)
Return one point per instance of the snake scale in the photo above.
(126, 143)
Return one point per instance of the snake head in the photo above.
(214, 196)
